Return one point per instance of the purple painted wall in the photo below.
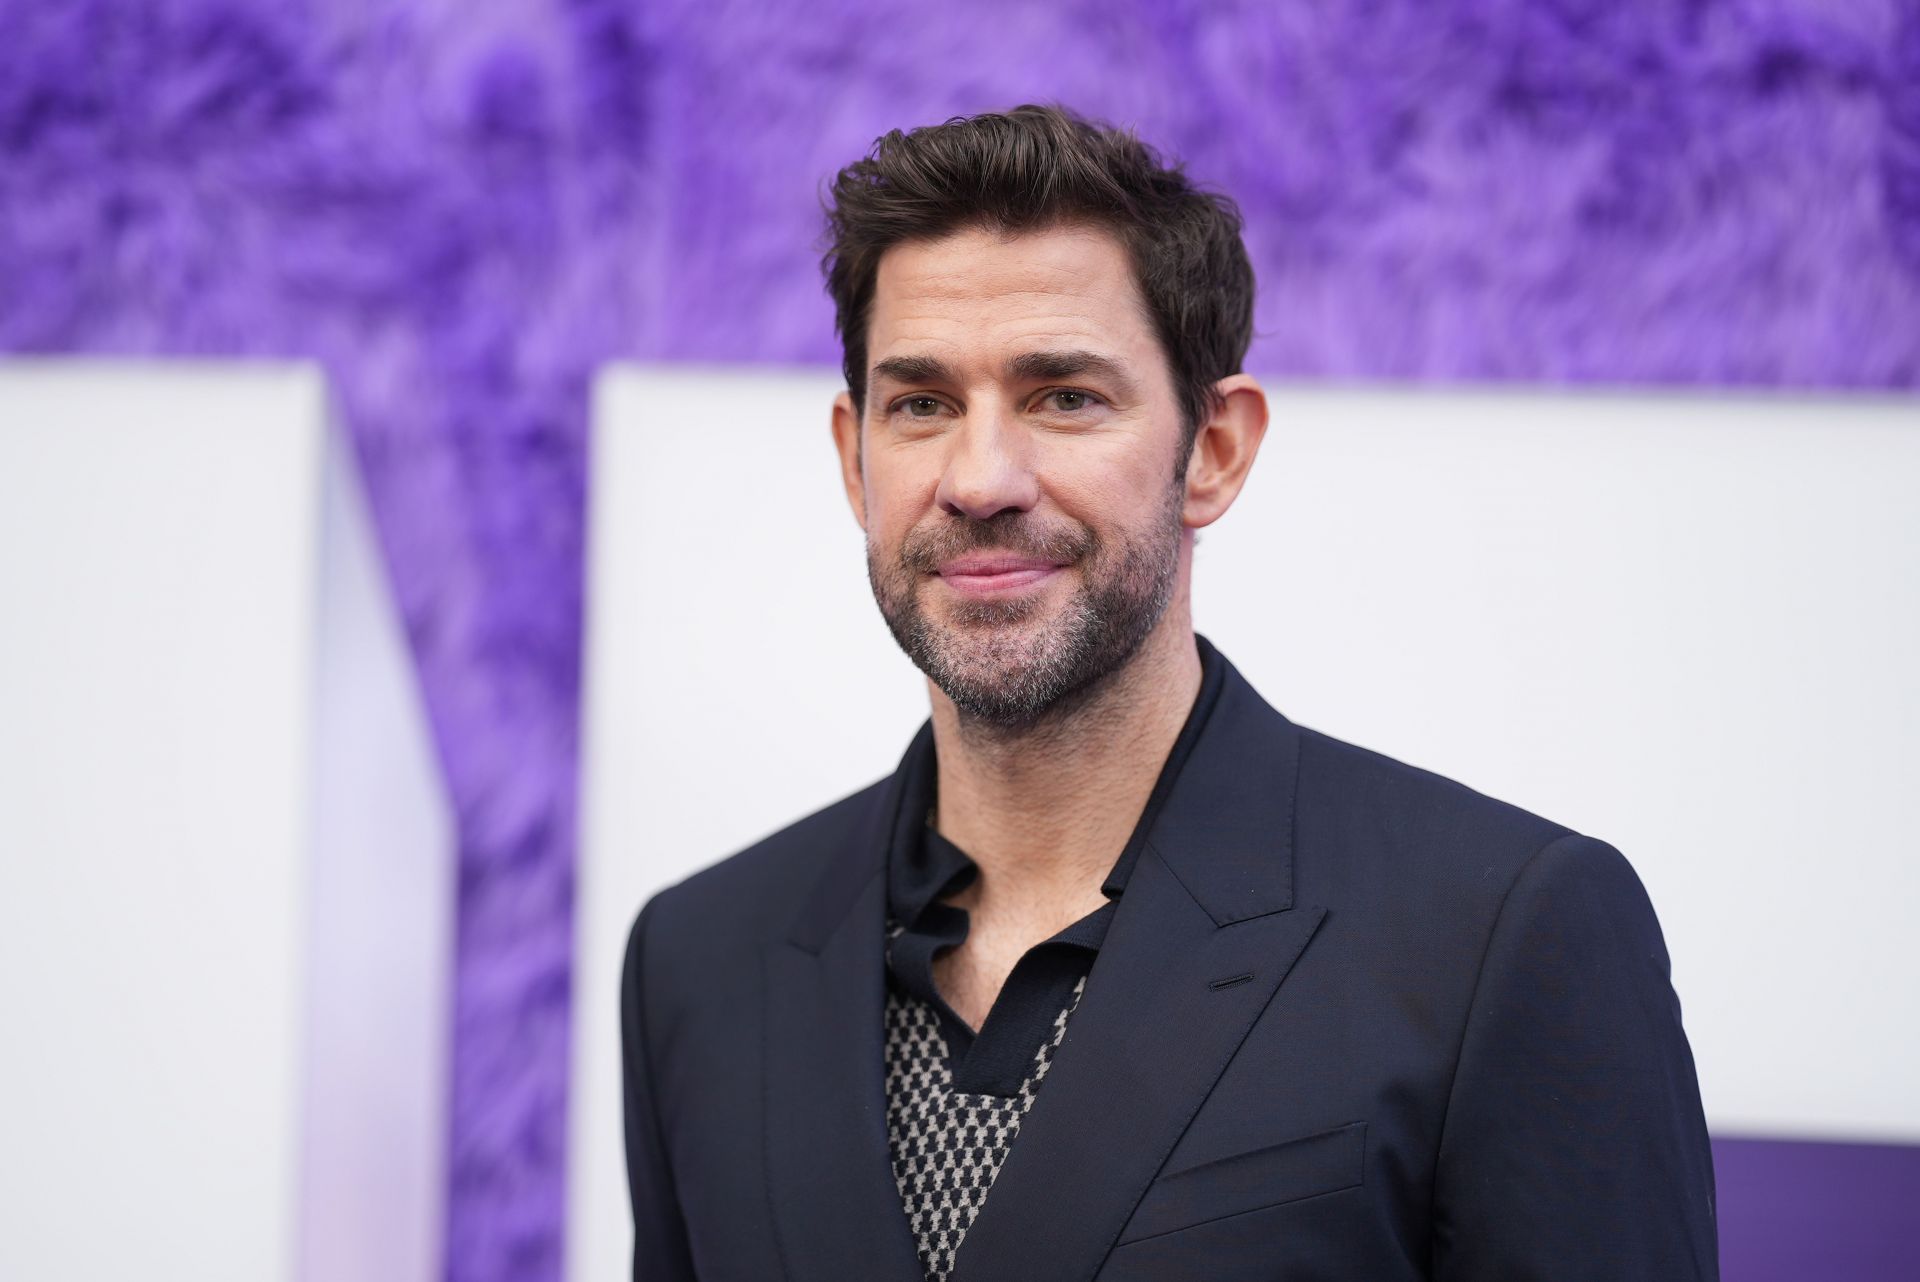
(462, 209)
(1791, 1212)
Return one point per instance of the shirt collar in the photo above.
(923, 866)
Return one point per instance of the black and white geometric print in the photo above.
(948, 1145)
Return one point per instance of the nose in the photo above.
(987, 471)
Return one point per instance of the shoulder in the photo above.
(1410, 800)
(1428, 875)
(752, 895)
(1375, 826)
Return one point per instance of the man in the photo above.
(1122, 974)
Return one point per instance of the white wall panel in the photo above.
(223, 844)
(1683, 623)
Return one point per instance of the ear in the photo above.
(1223, 450)
(846, 440)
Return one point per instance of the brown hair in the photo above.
(1033, 167)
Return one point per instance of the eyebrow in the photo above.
(913, 369)
(1027, 367)
(1049, 365)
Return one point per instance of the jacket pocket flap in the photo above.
(1284, 1172)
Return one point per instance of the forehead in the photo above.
(978, 293)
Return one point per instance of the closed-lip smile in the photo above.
(990, 573)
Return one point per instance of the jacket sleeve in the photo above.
(660, 1251)
(1574, 1145)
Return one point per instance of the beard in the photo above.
(1014, 664)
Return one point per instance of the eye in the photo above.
(1068, 400)
(919, 406)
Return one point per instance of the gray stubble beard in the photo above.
(1017, 681)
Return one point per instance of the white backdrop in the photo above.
(225, 852)
(1685, 624)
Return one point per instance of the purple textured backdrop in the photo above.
(461, 209)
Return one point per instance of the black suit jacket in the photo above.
(1351, 1021)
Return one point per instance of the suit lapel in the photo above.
(829, 1167)
(1205, 934)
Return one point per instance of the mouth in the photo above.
(989, 574)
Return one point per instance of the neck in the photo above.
(1045, 812)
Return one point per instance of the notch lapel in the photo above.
(1205, 933)
(836, 1210)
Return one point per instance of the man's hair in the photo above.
(1037, 167)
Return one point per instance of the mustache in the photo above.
(924, 551)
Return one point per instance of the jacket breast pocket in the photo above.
(1325, 1162)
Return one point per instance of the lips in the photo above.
(989, 573)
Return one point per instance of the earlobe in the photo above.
(846, 443)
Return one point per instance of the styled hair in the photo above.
(1036, 167)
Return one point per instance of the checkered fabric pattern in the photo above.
(948, 1145)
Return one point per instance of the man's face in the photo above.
(1016, 465)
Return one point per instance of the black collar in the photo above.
(924, 867)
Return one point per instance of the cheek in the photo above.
(897, 498)
(888, 525)
(1120, 491)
